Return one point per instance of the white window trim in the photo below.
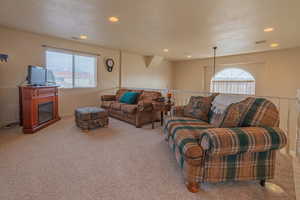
(213, 81)
(73, 66)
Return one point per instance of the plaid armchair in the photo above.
(210, 152)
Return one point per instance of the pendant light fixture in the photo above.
(214, 66)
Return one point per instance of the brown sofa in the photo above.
(139, 114)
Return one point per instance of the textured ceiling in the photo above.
(190, 27)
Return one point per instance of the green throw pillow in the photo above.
(129, 97)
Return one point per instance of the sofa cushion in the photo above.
(173, 124)
(198, 107)
(129, 97)
(106, 104)
(183, 134)
(116, 106)
(129, 108)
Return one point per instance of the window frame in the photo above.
(73, 53)
(213, 81)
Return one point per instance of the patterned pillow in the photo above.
(198, 107)
(234, 113)
(227, 110)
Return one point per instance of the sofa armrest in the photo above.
(229, 141)
(178, 111)
(144, 106)
(158, 106)
(108, 97)
(189, 148)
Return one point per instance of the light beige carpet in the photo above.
(119, 162)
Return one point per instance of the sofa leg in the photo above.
(262, 183)
(192, 187)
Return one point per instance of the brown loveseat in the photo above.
(138, 114)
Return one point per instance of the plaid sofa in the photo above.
(138, 114)
(218, 152)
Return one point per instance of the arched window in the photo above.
(233, 81)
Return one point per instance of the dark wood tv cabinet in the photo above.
(38, 107)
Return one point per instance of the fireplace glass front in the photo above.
(45, 112)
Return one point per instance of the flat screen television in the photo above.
(37, 75)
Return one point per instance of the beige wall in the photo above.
(276, 72)
(135, 72)
(25, 49)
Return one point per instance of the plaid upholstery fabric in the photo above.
(198, 107)
(261, 112)
(232, 116)
(235, 154)
(229, 141)
(173, 124)
(184, 134)
(239, 167)
(191, 168)
(91, 117)
(234, 113)
(250, 112)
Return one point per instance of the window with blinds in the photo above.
(233, 81)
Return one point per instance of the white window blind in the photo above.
(233, 81)
(72, 70)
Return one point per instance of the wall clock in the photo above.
(109, 64)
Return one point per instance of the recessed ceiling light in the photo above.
(270, 29)
(113, 19)
(83, 37)
(274, 45)
(189, 56)
(166, 50)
